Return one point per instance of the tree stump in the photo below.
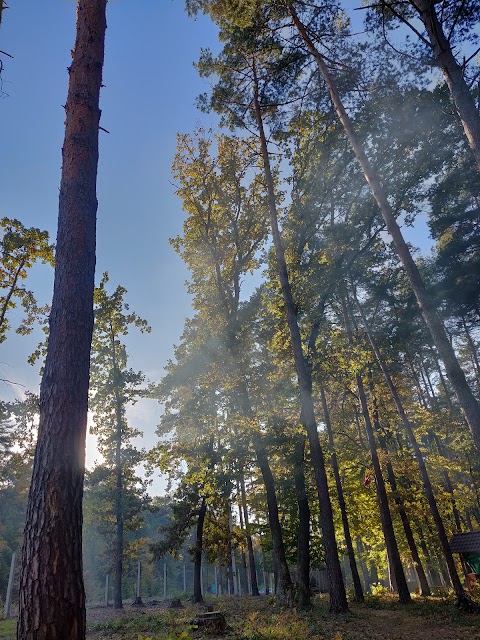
(210, 621)
(175, 604)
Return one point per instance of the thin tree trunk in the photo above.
(243, 565)
(197, 567)
(442, 451)
(442, 380)
(279, 556)
(117, 586)
(52, 597)
(466, 399)
(473, 351)
(385, 515)
(421, 395)
(396, 496)
(417, 563)
(302, 595)
(265, 574)
(251, 554)
(338, 598)
(362, 563)
(431, 390)
(341, 501)
(284, 584)
(13, 285)
(453, 74)
(442, 536)
(230, 552)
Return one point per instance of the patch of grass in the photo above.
(137, 623)
(382, 601)
(280, 626)
(8, 629)
(164, 625)
(440, 611)
(382, 618)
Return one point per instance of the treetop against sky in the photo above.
(149, 95)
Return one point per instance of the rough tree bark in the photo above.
(466, 398)
(52, 598)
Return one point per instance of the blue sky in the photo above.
(150, 93)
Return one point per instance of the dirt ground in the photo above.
(258, 619)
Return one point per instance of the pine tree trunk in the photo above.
(284, 582)
(442, 380)
(393, 554)
(442, 536)
(425, 589)
(469, 520)
(442, 451)
(473, 351)
(283, 573)
(52, 597)
(243, 563)
(338, 598)
(230, 552)
(453, 73)
(197, 567)
(251, 554)
(362, 563)
(302, 595)
(412, 545)
(466, 399)
(265, 574)
(421, 395)
(117, 586)
(398, 579)
(341, 501)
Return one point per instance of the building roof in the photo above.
(465, 542)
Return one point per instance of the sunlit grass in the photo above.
(381, 618)
(8, 629)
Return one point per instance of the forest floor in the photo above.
(381, 618)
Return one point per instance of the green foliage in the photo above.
(113, 387)
(20, 250)
(8, 629)
(18, 423)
